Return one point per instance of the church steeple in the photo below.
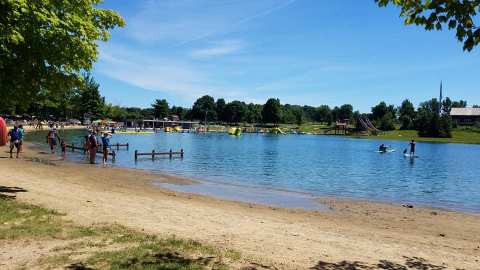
(441, 94)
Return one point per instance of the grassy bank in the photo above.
(310, 128)
(98, 247)
(458, 136)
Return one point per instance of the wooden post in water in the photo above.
(127, 146)
(170, 153)
(153, 155)
(73, 147)
(136, 155)
(114, 154)
(181, 153)
(118, 146)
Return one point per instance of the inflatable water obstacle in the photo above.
(3, 132)
(135, 132)
(235, 131)
(276, 131)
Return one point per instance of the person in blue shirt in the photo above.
(15, 137)
(105, 145)
(22, 134)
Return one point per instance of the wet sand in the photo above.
(352, 235)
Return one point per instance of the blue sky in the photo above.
(309, 52)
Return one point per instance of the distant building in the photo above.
(465, 116)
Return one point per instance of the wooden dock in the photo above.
(153, 154)
(84, 150)
(118, 145)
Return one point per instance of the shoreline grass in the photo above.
(103, 246)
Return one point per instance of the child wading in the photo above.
(63, 145)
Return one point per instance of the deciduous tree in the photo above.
(439, 14)
(272, 111)
(160, 108)
(204, 107)
(406, 115)
(45, 45)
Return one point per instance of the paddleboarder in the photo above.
(412, 148)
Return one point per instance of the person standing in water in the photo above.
(412, 148)
(52, 138)
(93, 146)
(105, 145)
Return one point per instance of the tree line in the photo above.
(45, 47)
(430, 118)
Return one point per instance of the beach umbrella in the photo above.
(3, 132)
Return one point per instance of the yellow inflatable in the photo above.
(235, 131)
(276, 131)
(178, 129)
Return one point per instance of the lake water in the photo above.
(444, 175)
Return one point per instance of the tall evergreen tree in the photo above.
(91, 102)
(220, 109)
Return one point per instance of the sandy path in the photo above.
(378, 235)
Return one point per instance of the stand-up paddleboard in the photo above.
(386, 151)
(410, 156)
(3, 132)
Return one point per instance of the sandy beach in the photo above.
(352, 235)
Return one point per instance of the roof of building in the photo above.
(465, 112)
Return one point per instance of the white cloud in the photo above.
(220, 48)
(184, 21)
(149, 55)
(142, 69)
(154, 72)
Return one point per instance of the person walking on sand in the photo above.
(412, 148)
(93, 146)
(105, 144)
(14, 135)
(22, 134)
(52, 139)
